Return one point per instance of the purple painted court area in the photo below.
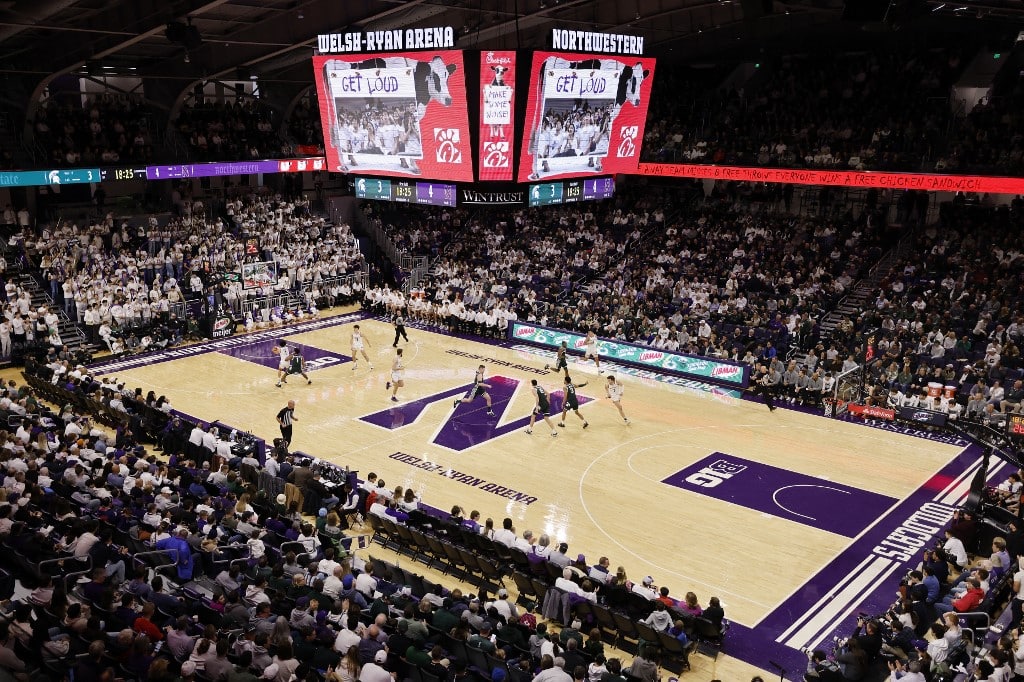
(469, 425)
(814, 502)
(260, 353)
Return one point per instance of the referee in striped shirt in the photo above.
(284, 419)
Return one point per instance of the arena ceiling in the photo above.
(273, 39)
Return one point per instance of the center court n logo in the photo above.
(467, 426)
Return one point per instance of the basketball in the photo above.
(276, 350)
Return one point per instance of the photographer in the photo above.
(906, 673)
(871, 641)
(936, 560)
(821, 669)
(901, 641)
(853, 661)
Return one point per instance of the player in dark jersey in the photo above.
(297, 365)
(572, 402)
(561, 362)
(541, 408)
(479, 389)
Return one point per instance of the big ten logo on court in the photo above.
(627, 143)
(715, 474)
(496, 155)
(448, 141)
(325, 361)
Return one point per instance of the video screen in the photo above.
(497, 102)
(401, 114)
(585, 115)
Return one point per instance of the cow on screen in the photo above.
(580, 101)
(379, 105)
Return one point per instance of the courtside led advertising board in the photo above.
(398, 114)
(497, 102)
(585, 115)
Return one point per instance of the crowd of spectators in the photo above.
(804, 111)
(989, 139)
(231, 131)
(304, 124)
(704, 277)
(199, 563)
(101, 129)
(129, 281)
(946, 317)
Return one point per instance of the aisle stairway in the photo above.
(70, 332)
(860, 294)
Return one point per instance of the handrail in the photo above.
(60, 560)
(74, 575)
(983, 614)
(172, 550)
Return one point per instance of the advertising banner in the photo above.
(585, 114)
(923, 416)
(400, 114)
(497, 102)
(929, 182)
(695, 366)
(871, 411)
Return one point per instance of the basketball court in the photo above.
(793, 520)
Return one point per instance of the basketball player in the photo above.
(397, 376)
(572, 402)
(561, 362)
(358, 346)
(284, 420)
(614, 390)
(479, 389)
(399, 329)
(541, 408)
(282, 352)
(297, 365)
(591, 351)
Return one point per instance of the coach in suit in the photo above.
(300, 477)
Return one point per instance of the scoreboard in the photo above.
(399, 114)
(405, 191)
(585, 115)
(1015, 425)
(571, 191)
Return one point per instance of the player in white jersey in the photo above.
(591, 351)
(614, 390)
(283, 354)
(359, 347)
(397, 376)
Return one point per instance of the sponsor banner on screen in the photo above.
(497, 102)
(400, 114)
(584, 115)
(929, 182)
(718, 371)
